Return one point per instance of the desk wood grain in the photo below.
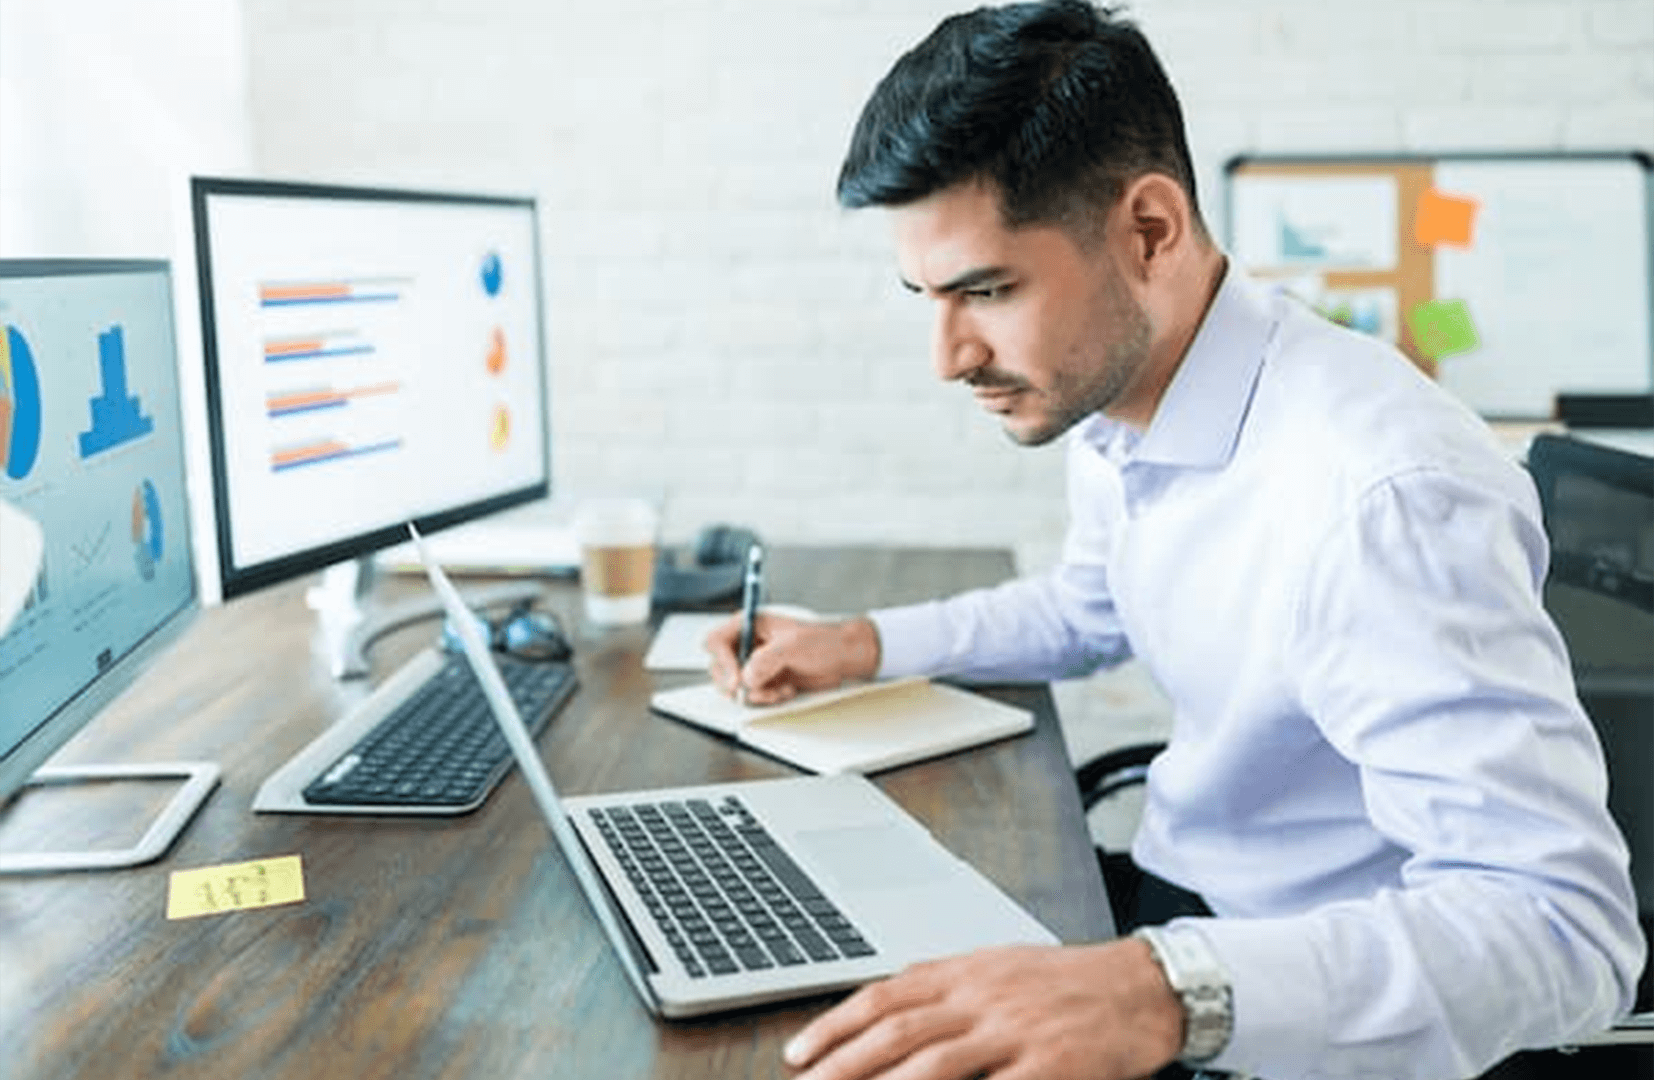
(445, 948)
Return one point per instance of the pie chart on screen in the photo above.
(19, 405)
(499, 431)
(493, 274)
(146, 529)
(496, 351)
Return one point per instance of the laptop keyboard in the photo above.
(441, 747)
(722, 890)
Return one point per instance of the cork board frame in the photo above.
(1559, 287)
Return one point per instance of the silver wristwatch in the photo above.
(1201, 983)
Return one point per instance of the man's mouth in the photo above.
(998, 399)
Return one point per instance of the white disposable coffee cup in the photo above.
(617, 558)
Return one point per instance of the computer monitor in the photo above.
(373, 357)
(93, 517)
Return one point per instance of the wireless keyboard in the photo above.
(440, 748)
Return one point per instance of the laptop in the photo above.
(725, 896)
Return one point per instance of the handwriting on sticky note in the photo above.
(213, 890)
(1444, 219)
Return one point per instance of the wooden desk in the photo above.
(446, 947)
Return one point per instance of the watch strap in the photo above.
(1201, 983)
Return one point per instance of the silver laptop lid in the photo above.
(528, 760)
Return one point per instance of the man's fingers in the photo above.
(789, 657)
(855, 1014)
(907, 1041)
(766, 677)
(720, 647)
(957, 1053)
(722, 669)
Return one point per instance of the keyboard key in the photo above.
(854, 948)
(814, 944)
(786, 952)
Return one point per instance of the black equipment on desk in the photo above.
(718, 559)
(523, 632)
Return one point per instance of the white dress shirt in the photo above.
(1379, 775)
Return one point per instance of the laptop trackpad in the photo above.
(874, 856)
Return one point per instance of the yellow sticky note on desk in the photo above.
(213, 890)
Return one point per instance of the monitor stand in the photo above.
(199, 780)
(351, 622)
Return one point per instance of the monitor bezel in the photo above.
(236, 580)
(18, 763)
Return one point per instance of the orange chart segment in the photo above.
(496, 352)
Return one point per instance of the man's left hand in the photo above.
(1094, 1011)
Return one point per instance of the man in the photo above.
(1379, 777)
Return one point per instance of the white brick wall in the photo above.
(106, 109)
(719, 330)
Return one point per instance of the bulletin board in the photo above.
(1510, 278)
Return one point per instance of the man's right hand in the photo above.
(791, 656)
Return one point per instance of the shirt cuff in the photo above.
(1277, 990)
(912, 639)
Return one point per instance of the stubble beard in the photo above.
(1077, 394)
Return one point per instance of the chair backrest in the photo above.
(1599, 513)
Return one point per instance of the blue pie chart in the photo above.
(19, 405)
(146, 529)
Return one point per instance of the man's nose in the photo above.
(956, 350)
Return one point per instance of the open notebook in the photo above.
(862, 728)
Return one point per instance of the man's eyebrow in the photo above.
(970, 279)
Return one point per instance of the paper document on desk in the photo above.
(679, 643)
(510, 546)
(862, 728)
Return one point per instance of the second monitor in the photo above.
(373, 357)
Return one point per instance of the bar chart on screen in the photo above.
(117, 416)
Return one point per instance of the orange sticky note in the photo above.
(1445, 219)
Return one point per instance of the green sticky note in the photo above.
(1442, 327)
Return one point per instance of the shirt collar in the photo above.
(1199, 418)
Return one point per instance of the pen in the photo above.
(752, 585)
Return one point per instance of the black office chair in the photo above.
(1100, 778)
(1598, 504)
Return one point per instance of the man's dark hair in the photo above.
(1059, 105)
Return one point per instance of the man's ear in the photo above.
(1157, 221)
